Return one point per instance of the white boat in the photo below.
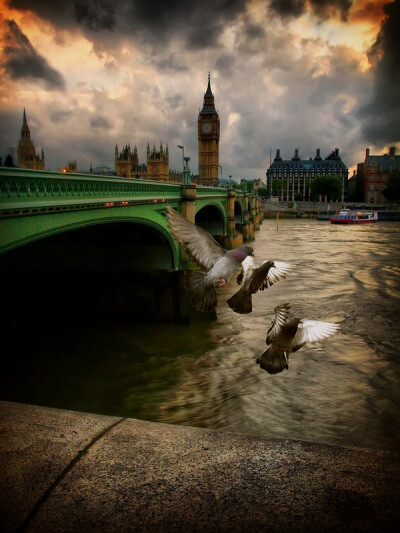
(350, 216)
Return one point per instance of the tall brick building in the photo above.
(375, 171)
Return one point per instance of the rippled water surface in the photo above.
(345, 390)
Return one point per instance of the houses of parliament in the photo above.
(157, 160)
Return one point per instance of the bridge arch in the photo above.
(238, 213)
(122, 267)
(45, 226)
(212, 218)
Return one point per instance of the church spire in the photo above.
(27, 156)
(208, 103)
(25, 132)
(208, 93)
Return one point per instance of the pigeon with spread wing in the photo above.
(256, 278)
(217, 264)
(286, 335)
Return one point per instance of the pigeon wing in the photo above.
(248, 266)
(281, 313)
(312, 331)
(276, 273)
(197, 242)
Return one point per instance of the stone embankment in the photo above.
(64, 471)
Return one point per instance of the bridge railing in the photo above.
(29, 192)
(21, 185)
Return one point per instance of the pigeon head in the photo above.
(241, 252)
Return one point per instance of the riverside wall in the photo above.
(64, 471)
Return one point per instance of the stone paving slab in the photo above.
(36, 445)
(144, 476)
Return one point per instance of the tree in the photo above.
(262, 192)
(329, 186)
(9, 162)
(392, 189)
(277, 187)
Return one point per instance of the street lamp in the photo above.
(183, 156)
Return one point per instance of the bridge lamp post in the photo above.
(220, 173)
(183, 156)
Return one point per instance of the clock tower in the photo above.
(208, 135)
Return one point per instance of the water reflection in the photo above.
(344, 390)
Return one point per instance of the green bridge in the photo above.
(70, 229)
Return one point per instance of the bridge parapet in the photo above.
(75, 200)
(21, 187)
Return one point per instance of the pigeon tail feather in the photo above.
(273, 362)
(241, 301)
(201, 294)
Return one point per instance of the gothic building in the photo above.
(291, 179)
(158, 163)
(127, 163)
(157, 166)
(26, 153)
(208, 137)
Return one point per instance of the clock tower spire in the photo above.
(208, 136)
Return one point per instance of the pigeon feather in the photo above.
(197, 242)
(254, 278)
(286, 335)
(218, 264)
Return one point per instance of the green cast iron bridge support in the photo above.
(37, 204)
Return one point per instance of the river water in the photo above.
(344, 390)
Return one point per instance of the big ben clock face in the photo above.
(206, 127)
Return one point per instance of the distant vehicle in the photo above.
(350, 216)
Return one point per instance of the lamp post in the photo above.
(221, 173)
(183, 157)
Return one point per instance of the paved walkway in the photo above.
(77, 472)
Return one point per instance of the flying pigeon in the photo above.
(255, 278)
(218, 264)
(286, 335)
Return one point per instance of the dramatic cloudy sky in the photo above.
(285, 74)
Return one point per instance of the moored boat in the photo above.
(349, 216)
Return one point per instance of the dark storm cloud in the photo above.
(381, 115)
(322, 9)
(100, 122)
(225, 64)
(10, 125)
(199, 23)
(96, 15)
(288, 8)
(20, 59)
(93, 14)
(59, 115)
